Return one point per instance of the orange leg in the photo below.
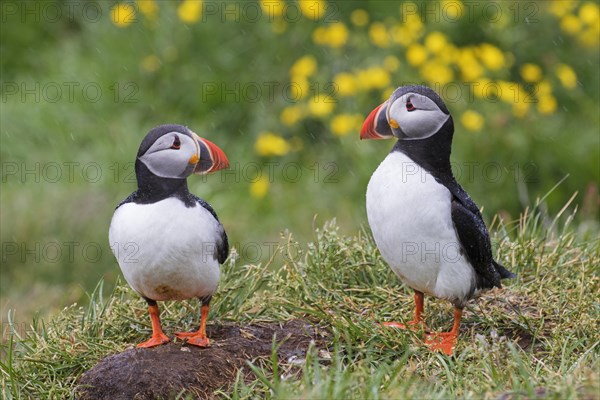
(199, 337)
(445, 341)
(412, 325)
(158, 336)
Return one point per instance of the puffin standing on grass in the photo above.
(168, 242)
(425, 225)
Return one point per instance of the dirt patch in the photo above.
(513, 311)
(165, 371)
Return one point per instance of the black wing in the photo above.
(222, 241)
(475, 239)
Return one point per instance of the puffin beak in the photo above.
(376, 125)
(210, 157)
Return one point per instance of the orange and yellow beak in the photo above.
(209, 158)
(376, 125)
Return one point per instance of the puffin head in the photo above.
(411, 113)
(174, 151)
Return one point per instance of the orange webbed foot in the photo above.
(155, 340)
(442, 341)
(194, 338)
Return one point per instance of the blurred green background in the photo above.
(283, 88)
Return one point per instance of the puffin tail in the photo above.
(503, 272)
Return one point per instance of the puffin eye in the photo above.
(410, 106)
(176, 143)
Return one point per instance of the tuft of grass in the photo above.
(536, 337)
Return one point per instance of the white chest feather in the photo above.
(409, 214)
(166, 250)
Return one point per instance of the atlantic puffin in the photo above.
(168, 242)
(425, 225)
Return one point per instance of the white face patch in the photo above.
(169, 156)
(417, 116)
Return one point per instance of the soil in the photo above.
(167, 370)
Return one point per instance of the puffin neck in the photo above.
(152, 188)
(432, 153)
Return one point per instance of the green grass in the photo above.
(536, 337)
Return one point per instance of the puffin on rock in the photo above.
(425, 225)
(168, 242)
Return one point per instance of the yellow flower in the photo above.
(319, 36)
(379, 35)
(453, 9)
(570, 24)
(401, 35)
(562, 7)
(507, 91)
(491, 56)
(472, 120)
(543, 87)
(260, 187)
(391, 63)
(150, 63)
(470, 68)
(345, 84)
(373, 78)
(521, 95)
(590, 37)
(589, 13)
(148, 7)
(337, 35)
(312, 9)
(190, 11)
(359, 17)
(531, 72)
(436, 42)
(290, 115)
(343, 124)
(414, 23)
(270, 144)
(122, 14)
(484, 88)
(416, 54)
(299, 88)
(408, 32)
(546, 104)
(273, 8)
(303, 67)
(321, 105)
(567, 76)
(435, 72)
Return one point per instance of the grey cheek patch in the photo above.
(162, 166)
